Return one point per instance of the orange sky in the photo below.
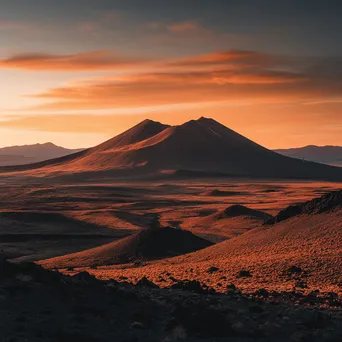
(121, 67)
(271, 125)
(271, 99)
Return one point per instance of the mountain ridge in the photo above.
(328, 154)
(28, 154)
(203, 145)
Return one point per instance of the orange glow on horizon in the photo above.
(315, 124)
(262, 96)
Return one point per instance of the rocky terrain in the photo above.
(265, 282)
(329, 202)
(309, 241)
(42, 305)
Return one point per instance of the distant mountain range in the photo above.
(28, 154)
(198, 148)
(331, 155)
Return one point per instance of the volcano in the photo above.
(199, 147)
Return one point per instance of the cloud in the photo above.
(261, 78)
(155, 89)
(87, 27)
(184, 33)
(181, 27)
(93, 60)
(185, 26)
(7, 25)
(101, 22)
(109, 60)
(235, 76)
(230, 57)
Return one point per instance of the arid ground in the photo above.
(41, 221)
(230, 251)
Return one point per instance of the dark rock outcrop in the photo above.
(326, 203)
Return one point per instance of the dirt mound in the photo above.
(240, 210)
(235, 211)
(326, 203)
(233, 221)
(148, 244)
(222, 193)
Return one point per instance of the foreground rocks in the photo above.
(41, 305)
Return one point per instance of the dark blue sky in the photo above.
(303, 27)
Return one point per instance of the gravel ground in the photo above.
(41, 305)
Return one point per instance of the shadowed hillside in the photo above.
(302, 252)
(203, 146)
(154, 243)
(310, 240)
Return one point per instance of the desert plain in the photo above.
(44, 221)
(219, 236)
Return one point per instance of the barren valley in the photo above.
(125, 218)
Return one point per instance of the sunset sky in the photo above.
(78, 72)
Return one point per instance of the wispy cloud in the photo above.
(155, 89)
(6, 25)
(234, 75)
(102, 21)
(229, 56)
(186, 26)
(187, 32)
(109, 60)
(22, 27)
(87, 27)
(94, 60)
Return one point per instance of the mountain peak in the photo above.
(140, 132)
(49, 143)
(148, 122)
(190, 123)
(201, 122)
(203, 119)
